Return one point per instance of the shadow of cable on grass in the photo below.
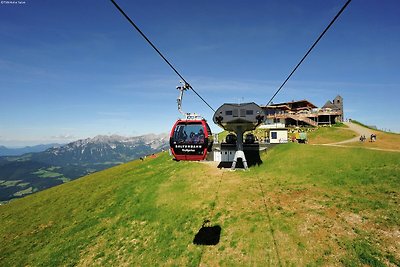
(207, 235)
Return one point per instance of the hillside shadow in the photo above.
(207, 235)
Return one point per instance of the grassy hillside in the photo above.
(326, 135)
(385, 140)
(305, 205)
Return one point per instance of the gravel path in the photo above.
(360, 130)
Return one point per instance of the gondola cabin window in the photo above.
(189, 134)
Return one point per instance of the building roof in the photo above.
(293, 105)
(330, 105)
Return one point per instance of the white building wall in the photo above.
(278, 136)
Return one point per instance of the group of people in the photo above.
(193, 138)
(196, 138)
(372, 138)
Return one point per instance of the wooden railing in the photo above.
(302, 118)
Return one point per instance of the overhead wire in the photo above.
(159, 53)
(277, 91)
(309, 50)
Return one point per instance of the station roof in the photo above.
(293, 105)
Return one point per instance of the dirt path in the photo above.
(360, 130)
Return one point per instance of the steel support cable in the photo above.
(158, 51)
(309, 50)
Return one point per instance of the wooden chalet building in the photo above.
(303, 113)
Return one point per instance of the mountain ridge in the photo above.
(61, 164)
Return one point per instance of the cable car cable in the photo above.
(309, 50)
(158, 51)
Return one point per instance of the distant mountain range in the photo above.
(5, 151)
(32, 172)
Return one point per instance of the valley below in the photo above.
(33, 172)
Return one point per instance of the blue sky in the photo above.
(75, 69)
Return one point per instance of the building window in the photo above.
(274, 135)
(228, 112)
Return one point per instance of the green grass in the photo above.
(9, 183)
(326, 135)
(23, 192)
(47, 173)
(304, 206)
(51, 173)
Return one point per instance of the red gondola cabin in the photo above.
(190, 139)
